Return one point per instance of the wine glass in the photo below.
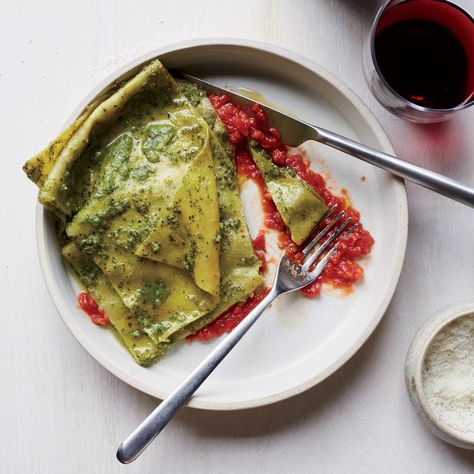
(418, 60)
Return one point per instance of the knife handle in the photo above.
(429, 179)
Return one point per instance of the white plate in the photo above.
(299, 341)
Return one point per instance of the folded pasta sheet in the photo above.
(239, 267)
(144, 186)
(127, 328)
(300, 207)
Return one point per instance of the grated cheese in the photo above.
(448, 374)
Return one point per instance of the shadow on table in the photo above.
(464, 454)
(362, 7)
(442, 147)
(310, 406)
(447, 145)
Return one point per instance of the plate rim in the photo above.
(60, 302)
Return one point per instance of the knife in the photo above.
(294, 132)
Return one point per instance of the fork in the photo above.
(289, 277)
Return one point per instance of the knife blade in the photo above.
(295, 132)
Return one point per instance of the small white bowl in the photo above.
(414, 367)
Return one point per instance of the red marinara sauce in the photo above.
(342, 271)
(96, 315)
(229, 319)
(259, 242)
(250, 121)
(232, 317)
(260, 248)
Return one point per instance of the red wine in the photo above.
(426, 54)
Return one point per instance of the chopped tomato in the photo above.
(96, 315)
(342, 270)
(230, 319)
(259, 241)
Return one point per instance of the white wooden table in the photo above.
(60, 411)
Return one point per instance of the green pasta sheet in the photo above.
(156, 158)
(125, 325)
(175, 202)
(300, 207)
(239, 267)
(38, 168)
(144, 159)
(152, 85)
(163, 298)
(194, 212)
(144, 188)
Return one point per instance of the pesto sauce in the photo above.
(90, 244)
(232, 224)
(153, 293)
(142, 173)
(116, 166)
(89, 274)
(113, 209)
(156, 329)
(194, 94)
(189, 259)
(127, 177)
(157, 137)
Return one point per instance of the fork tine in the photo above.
(327, 214)
(315, 255)
(352, 228)
(318, 269)
(323, 232)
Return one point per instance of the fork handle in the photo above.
(429, 179)
(147, 431)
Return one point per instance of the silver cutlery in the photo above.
(289, 277)
(295, 132)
